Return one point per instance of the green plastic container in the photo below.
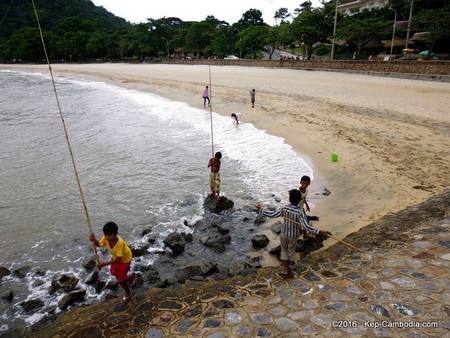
(334, 157)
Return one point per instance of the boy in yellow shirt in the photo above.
(121, 256)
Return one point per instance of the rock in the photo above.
(260, 241)
(112, 284)
(31, 305)
(187, 236)
(90, 263)
(151, 240)
(4, 272)
(309, 245)
(99, 285)
(208, 268)
(139, 250)
(259, 220)
(146, 231)
(7, 295)
(21, 272)
(71, 298)
(188, 272)
(66, 282)
(326, 192)
(151, 276)
(40, 272)
(217, 205)
(222, 229)
(276, 227)
(255, 262)
(275, 251)
(38, 282)
(92, 278)
(176, 243)
(246, 219)
(217, 242)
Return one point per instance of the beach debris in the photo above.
(65, 282)
(176, 243)
(326, 192)
(4, 272)
(31, 305)
(260, 241)
(71, 298)
(22, 271)
(334, 157)
(7, 295)
(89, 263)
(217, 205)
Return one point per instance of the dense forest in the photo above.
(77, 30)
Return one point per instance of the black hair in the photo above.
(110, 228)
(218, 155)
(306, 178)
(233, 115)
(295, 196)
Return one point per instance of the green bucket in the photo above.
(334, 157)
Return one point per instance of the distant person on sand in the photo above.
(295, 223)
(236, 117)
(206, 96)
(253, 97)
(214, 178)
(120, 257)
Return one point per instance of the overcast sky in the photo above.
(195, 10)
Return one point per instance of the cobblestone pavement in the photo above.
(405, 279)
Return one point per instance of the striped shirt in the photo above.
(294, 220)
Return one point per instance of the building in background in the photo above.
(354, 6)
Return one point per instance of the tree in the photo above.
(252, 17)
(253, 39)
(199, 36)
(437, 22)
(361, 31)
(304, 6)
(282, 14)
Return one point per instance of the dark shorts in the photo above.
(120, 271)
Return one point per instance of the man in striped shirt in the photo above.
(295, 223)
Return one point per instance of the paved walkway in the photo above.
(402, 279)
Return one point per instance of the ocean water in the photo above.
(142, 160)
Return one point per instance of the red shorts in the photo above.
(120, 271)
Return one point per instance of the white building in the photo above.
(354, 6)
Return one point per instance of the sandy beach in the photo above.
(392, 135)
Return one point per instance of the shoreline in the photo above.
(371, 179)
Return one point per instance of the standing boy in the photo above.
(305, 181)
(206, 96)
(236, 117)
(120, 256)
(214, 178)
(253, 97)
(294, 224)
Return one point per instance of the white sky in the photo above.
(231, 11)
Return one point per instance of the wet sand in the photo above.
(392, 135)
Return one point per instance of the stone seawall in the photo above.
(433, 70)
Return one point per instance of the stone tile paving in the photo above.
(403, 278)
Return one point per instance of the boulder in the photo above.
(188, 272)
(31, 305)
(217, 242)
(176, 243)
(208, 268)
(275, 251)
(65, 282)
(139, 250)
(71, 298)
(7, 295)
(146, 231)
(276, 227)
(89, 263)
(217, 205)
(21, 272)
(259, 220)
(92, 278)
(309, 245)
(260, 241)
(4, 272)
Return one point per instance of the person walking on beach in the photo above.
(295, 223)
(214, 178)
(206, 97)
(253, 97)
(121, 257)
